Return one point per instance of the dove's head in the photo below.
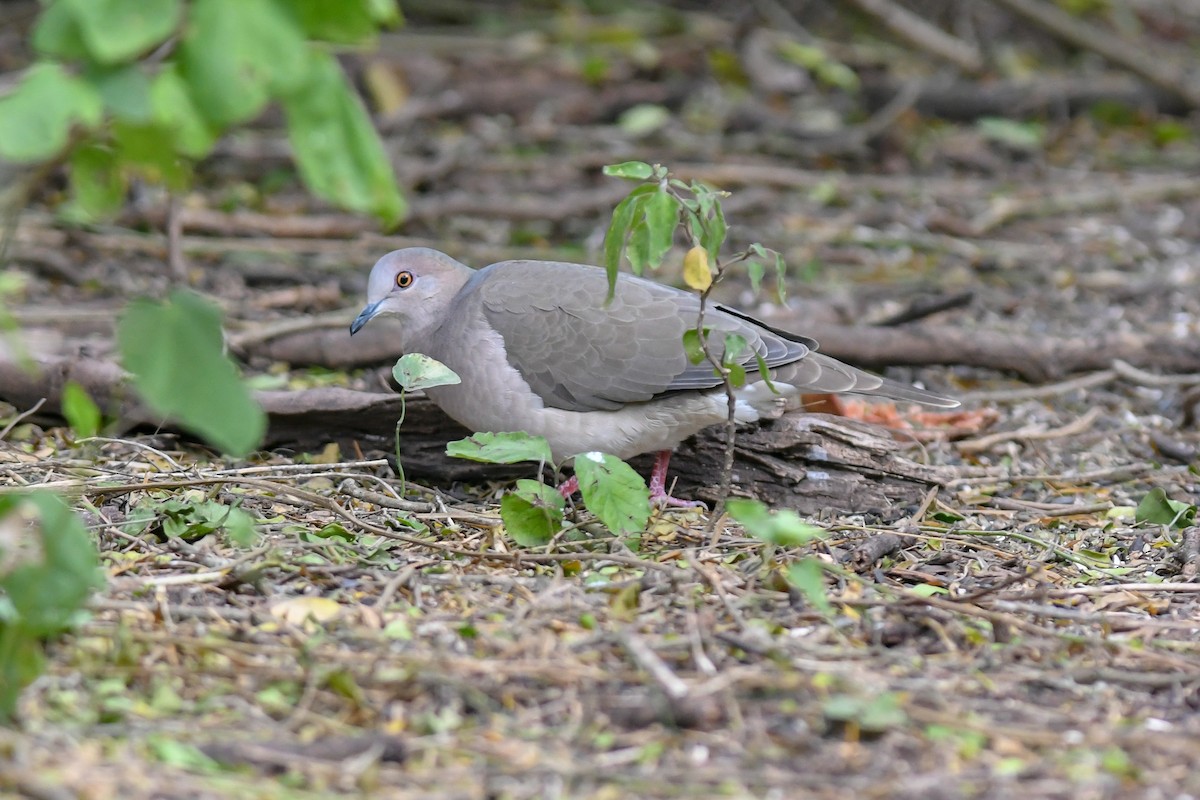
(416, 284)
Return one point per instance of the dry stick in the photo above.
(1182, 588)
(1188, 552)
(175, 259)
(647, 659)
(1039, 392)
(1049, 509)
(1007, 208)
(926, 307)
(1144, 378)
(1146, 62)
(1118, 474)
(730, 417)
(17, 419)
(262, 333)
(1030, 433)
(1034, 358)
(929, 38)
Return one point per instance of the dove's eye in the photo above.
(404, 279)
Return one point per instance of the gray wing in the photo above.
(579, 354)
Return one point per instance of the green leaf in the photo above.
(174, 753)
(662, 217)
(386, 12)
(618, 231)
(150, 151)
(193, 521)
(1159, 509)
(36, 117)
(613, 491)
(630, 170)
(46, 594)
(240, 526)
(336, 147)
(533, 513)
(22, 663)
(176, 354)
(125, 91)
(236, 54)
(693, 345)
(764, 373)
(57, 33)
(783, 527)
(714, 229)
(638, 251)
(808, 576)
(780, 277)
(870, 714)
(118, 30)
(97, 185)
(643, 119)
(735, 345)
(737, 374)
(173, 109)
(345, 22)
(501, 448)
(1017, 134)
(416, 371)
(80, 411)
(817, 61)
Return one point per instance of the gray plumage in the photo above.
(539, 350)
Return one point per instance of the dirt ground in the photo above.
(1013, 633)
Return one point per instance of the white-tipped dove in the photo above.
(539, 350)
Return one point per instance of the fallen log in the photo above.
(813, 463)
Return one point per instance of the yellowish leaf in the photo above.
(300, 610)
(386, 88)
(330, 454)
(696, 273)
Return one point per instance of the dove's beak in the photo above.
(363, 318)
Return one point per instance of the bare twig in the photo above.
(929, 38)
(175, 258)
(17, 419)
(1150, 63)
(1143, 378)
(1030, 433)
(1040, 392)
(1006, 208)
(647, 659)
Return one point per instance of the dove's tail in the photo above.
(818, 374)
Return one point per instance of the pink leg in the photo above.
(658, 484)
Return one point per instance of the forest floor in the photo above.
(1016, 632)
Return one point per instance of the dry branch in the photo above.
(810, 462)
(929, 38)
(1148, 62)
(962, 101)
(1036, 359)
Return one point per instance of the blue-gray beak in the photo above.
(364, 317)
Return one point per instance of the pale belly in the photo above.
(627, 432)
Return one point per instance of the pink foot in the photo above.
(658, 484)
(569, 487)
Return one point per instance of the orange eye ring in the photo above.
(404, 279)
